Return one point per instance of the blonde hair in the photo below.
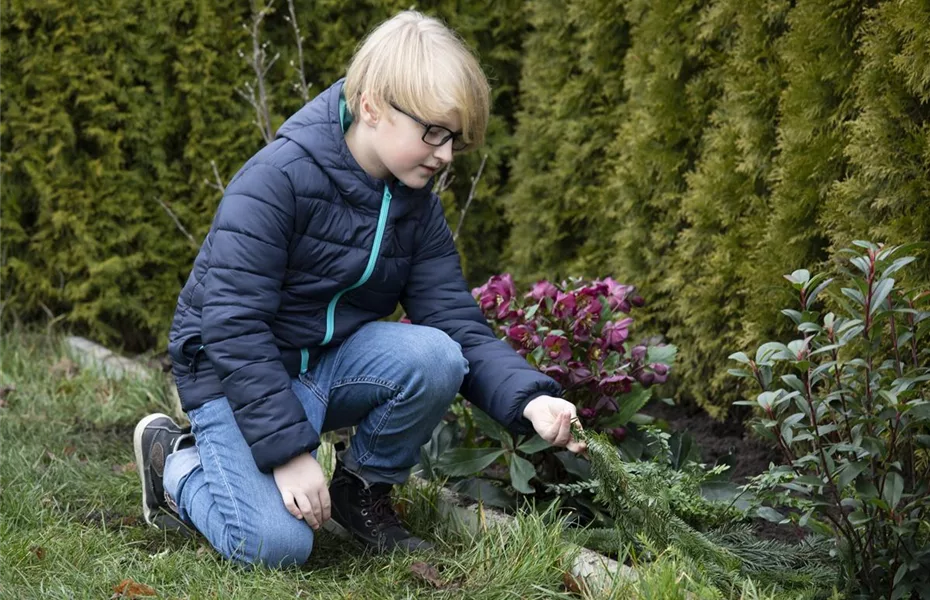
(422, 66)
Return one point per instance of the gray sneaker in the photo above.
(157, 436)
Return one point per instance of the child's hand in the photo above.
(552, 419)
(303, 489)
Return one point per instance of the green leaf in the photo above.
(631, 403)
(533, 445)
(817, 290)
(769, 351)
(898, 264)
(799, 277)
(858, 518)
(849, 473)
(739, 357)
(461, 462)
(521, 471)
(743, 373)
(861, 263)
(794, 315)
(880, 293)
(793, 382)
(769, 514)
(484, 491)
(894, 487)
(682, 451)
(531, 312)
(575, 464)
(855, 295)
(490, 427)
(661, 354)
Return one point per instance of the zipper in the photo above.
(372, 259)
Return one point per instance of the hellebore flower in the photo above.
(661, 372)
(543, 289)
(616, 333)
(618, 433)
(587, 413)
(617, 295)
(523, 335)
(606, 403)
(615, 385)
(497, 293)
(557, 347)
(564, 306)
(557, 372)
(638, 353)
(578, 373)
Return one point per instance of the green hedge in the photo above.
(697, 148)
(113, 108)
(752, 138)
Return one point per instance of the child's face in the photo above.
(398, 142)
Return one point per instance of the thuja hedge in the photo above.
(698, 149)
(113, 108)
(701, 149)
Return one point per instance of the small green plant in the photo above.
(848, 406)
(658, 512)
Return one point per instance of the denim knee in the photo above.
(438, 358)
(277, 545)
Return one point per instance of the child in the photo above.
(277, 335)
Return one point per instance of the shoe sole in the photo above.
(140, 463)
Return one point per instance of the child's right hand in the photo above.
(303, 489)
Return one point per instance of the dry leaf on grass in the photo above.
(427, 573)
(65, 367)
(39, 551)
(129, 467)
(573, 584)
(129, 589)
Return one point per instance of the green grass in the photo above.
(71, 526)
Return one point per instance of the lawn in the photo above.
(71, 526)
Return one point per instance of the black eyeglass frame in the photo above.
(458, 144)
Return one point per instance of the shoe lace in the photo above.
(383, 511)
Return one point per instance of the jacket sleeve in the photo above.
(499, 381)
(242, 292)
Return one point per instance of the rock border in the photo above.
(590, 570)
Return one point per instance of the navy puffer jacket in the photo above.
(300, 225)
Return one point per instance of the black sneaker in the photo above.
(156, 436)
(365, 511)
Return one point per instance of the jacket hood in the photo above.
(317, 128)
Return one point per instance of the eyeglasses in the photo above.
(437, 135)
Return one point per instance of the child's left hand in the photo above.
(552, 419)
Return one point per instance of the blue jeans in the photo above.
(394, 381)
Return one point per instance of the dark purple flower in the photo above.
(614, 385)
(543, 289)
(524, 335)
(564, 306)
(496, 295)
(587, 413)
(606, 403)
(581, 330)
(616, 333)
(638, 353)
(618, 433)
(596, 351)
(557, 347)
(660, 372)
(646, 378)
(557, 372)
(617, 295)
(578, 373)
